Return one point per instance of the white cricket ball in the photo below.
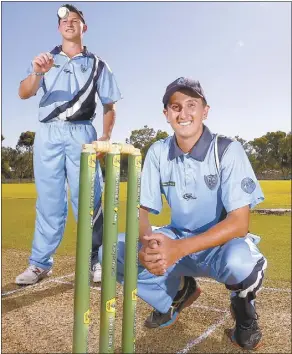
(63, 12)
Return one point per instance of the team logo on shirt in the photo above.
(248, 185)
(83, 68)
(211, 181)
(189, 196)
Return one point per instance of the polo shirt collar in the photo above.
(198, 152)
(58, 50)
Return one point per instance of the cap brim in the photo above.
(171, 91)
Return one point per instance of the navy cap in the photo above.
(183, 83)
(73, 8)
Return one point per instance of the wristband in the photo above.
(38, 74)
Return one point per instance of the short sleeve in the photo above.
(151, 197)
(107, 88)
(29, 71)
(239, 184)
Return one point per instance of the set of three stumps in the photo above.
(109, 255)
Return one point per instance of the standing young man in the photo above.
(71, 79)
(210, 187)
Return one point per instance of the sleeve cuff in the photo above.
(241, 203)
(151, 210)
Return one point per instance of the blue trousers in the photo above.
(238, 264)
(57, 151)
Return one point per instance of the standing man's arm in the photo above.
(40, 65)
(109, 94)
(109, 118)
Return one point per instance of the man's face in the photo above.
(72, 27)
(185, 112)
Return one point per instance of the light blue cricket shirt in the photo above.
(199, 196)
(71, 88)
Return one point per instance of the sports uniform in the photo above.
(201, 187)
(69, 94)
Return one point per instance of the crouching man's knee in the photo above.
(249, 286)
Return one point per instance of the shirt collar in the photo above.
(198, 152)
(58, 50)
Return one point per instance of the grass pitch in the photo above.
(18, 218)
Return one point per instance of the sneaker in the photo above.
(246, 333)
(184, 298)
(96, 273)
(32, 275)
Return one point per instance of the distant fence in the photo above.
(123, 178)
(29, 180)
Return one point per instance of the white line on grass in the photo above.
(69, 275)
(204, 335)
(72, 283)
(204, 280)
(35, 285)
(209, 308)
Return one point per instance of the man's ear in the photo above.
(166, 115)
(206, 111)
(84, 28)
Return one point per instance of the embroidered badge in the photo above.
(168, 184)
(248, 185)
(211, 181)
(189, 196)
(83, 68)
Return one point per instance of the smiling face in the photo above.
(71, 27)
(186, 112)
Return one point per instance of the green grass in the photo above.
(277, 195)
(18, 218)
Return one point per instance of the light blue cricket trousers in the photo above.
(57, 151)
(238, 264)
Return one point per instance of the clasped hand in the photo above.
(158, 253)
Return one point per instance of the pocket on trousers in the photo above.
(254, 238)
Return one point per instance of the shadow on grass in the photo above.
(23, 300)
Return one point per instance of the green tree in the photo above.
(272, 152)
(285, 155)
(26, 141)
(8, 162)
(143, 138)
(246, 145)
(25, 161)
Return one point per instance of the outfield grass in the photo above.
(18, 217)
(277, 193)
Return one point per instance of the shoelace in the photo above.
(34, 269)
(156, 314)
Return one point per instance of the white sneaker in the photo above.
(96, 273)
(32, 275)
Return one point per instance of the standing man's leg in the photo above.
(51, 205)
(84, 133)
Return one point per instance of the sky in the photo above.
(239, 51)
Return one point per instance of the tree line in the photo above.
(270, 154)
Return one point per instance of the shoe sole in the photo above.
(229, 334)
(44, 275)
(96, 281)
(188, 303)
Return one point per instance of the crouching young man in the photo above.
(210, 187)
